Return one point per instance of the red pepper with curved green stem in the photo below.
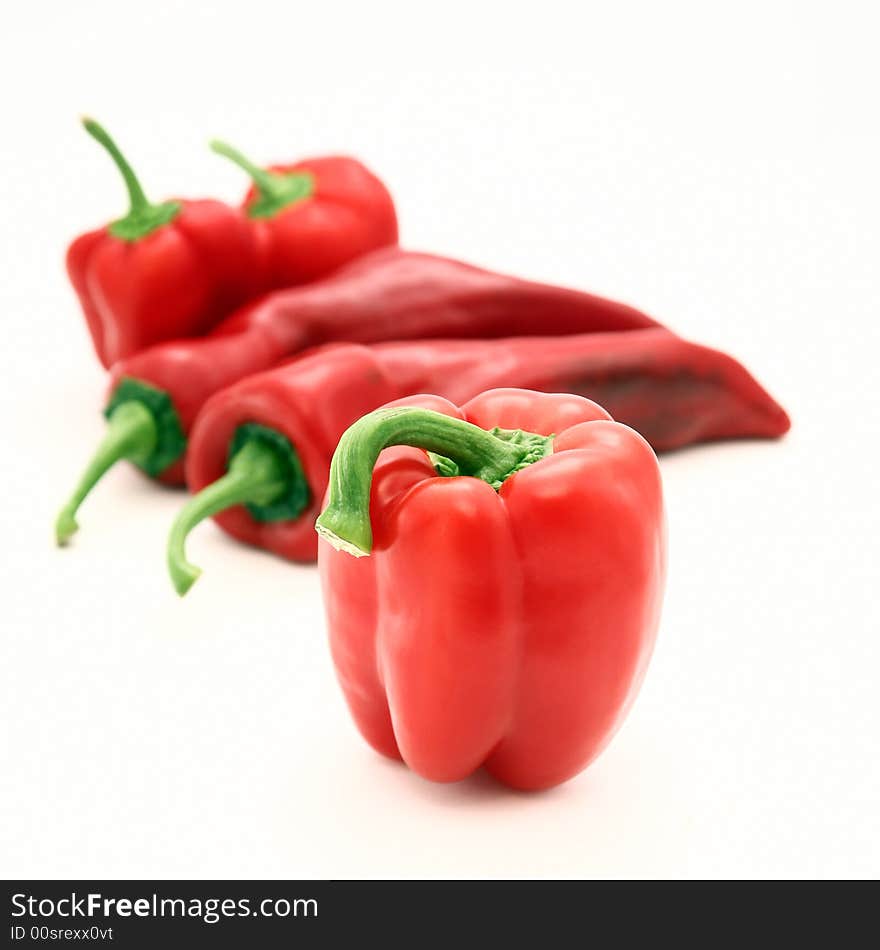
(260, 451)
(387, 295)
(504, 597)
(311, 217)
(162, 271)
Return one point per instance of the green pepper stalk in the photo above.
(461, 449)
(275, 190)
(263, 473)
(142, 427)
(131, 434)
(143, 216)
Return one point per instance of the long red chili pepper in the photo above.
(173, 270)
(503, 617)
(390, 294)
(260, 451)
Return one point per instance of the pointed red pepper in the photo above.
(260, 451)
(502, 604)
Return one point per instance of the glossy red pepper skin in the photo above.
(176, 281)
(507, 629)
(348, 214)
(673, 392)
(390, 294)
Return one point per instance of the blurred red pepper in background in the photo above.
(311, 217)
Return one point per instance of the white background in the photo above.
(715, 165)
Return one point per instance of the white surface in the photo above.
(718, 170)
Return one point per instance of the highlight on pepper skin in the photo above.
(520, 567)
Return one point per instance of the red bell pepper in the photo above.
(508, 607)
(389, 294)
(311, 217)
(162, 271)
(260, 451)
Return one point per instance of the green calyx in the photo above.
(275, 190)
(535, 447)
(143, 428)
(455, 447)
(289, 504)
(264, 474)
(170, 441)
(143, 217)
